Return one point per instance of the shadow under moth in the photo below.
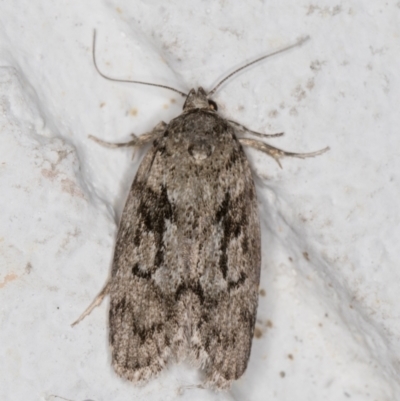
(186, 267)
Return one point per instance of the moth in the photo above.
(186, 267)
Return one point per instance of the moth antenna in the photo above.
(298, 43)
(127, 80)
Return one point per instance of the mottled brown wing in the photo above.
(140, 334)
(227, 288)
(187, 261)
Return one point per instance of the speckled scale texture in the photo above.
(185, 275)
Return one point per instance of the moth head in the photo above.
(199, 100)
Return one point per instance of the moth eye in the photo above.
(213, 105)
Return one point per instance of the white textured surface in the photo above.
(329, 323)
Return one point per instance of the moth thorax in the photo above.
(200, 150)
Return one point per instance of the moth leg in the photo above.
(276, 153)
(96, 302)
(136, 141)
(182, 389)
(243, 130)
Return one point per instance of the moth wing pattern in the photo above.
(185, 275)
